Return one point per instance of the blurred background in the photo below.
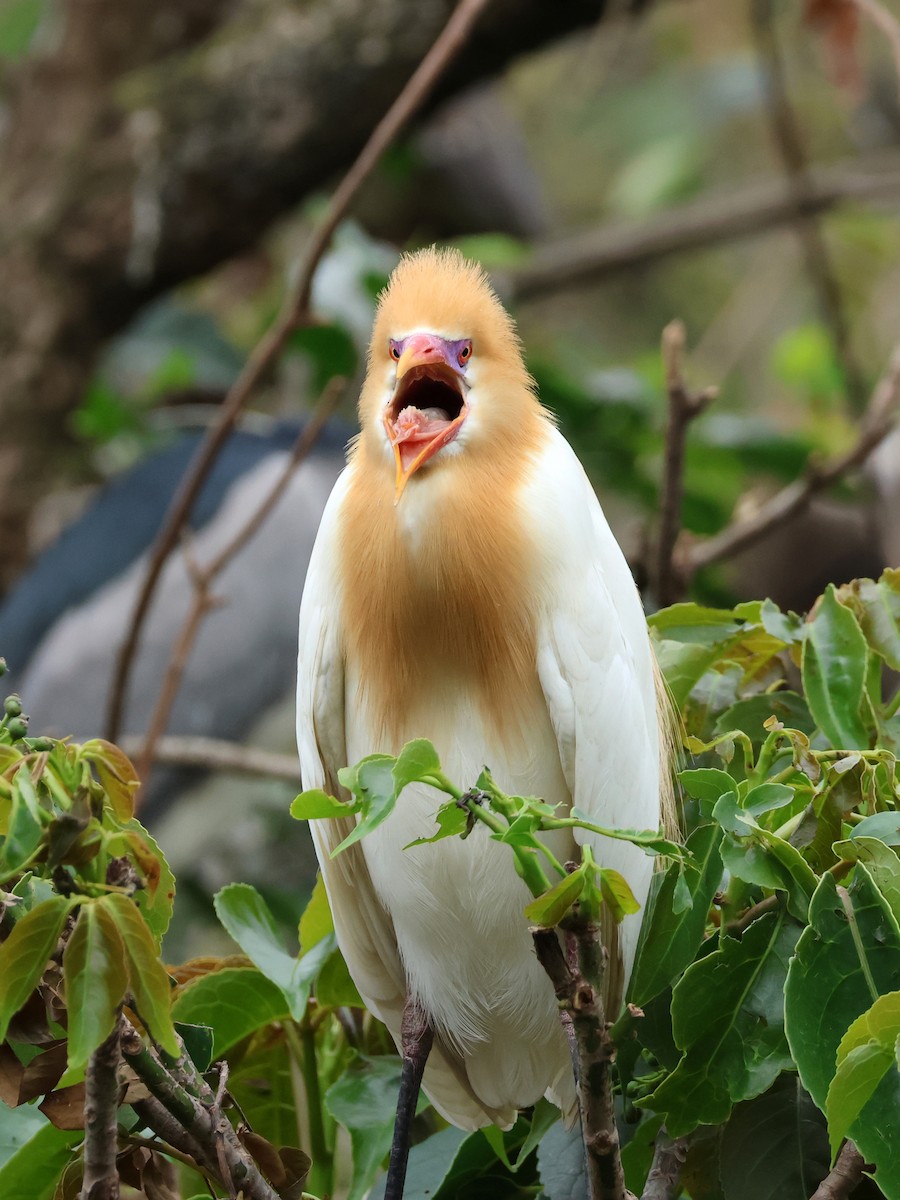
(614, 165)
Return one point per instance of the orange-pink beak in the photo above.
(429, 407)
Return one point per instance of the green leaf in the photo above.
(847, 957)
(692, 623)
(31, 1173)
(884, 825)
(751, 714)
(199, 1041)
(727, 1019)
(316, 805)
(156, 901)
(364, 1101)
(262, 1083)
(669, 938)
(548, 910)
(24, 954)
(430, 1166)
(451, 819)
(316, 922)
(373, 785)
(618, 896)
(24, 830)
(865, 1055)
(147, 978)
(334, 987)
(417, 762)
(706, 784)
(234, 1002)
(775, 1146)
(757, 855)
(834, 673)
(245, 915)
(561, 1163)
(877, 608)
(683, 665)
(116, 773)
(96, 980)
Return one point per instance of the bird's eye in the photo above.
(395, 351)
(465, 352)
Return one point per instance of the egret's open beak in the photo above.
(428, 407)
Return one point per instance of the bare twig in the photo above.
(887, 23)
(719, 216)
(101, 1107)
(294, 313)
(203, 577)
(214, 754)
(843, 1177)
(684, 407)
(665, 1171)
(789, 142)
(878, 420)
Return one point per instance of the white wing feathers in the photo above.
(596, 672)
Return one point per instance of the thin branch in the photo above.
(844, 1175)
(664, 1177)
(203, 577)
(722, 215)
(684, 407)
(878, 420)
(739, 924)
(786, 134)
(887, 23)
(215, 754)
(293, 314)
(101, 1107)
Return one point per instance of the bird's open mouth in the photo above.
(426, 413)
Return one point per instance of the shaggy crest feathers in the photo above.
(438, 289)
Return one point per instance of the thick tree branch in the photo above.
(213, 754)
(843, 1177)
(878, 420)
(719, 216)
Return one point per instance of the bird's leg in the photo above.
(416, 1036)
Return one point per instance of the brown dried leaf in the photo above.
(44, 1072)
(296, 1164)
(11, 1073)
(65, 1108)
(264, 1155)
(205, 965)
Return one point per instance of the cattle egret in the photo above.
(465, 587)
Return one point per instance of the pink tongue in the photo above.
(419, 425)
